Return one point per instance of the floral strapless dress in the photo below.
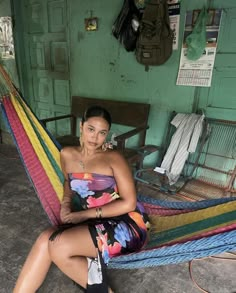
(112, 236)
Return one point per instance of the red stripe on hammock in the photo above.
(158, 210)
(43, 186)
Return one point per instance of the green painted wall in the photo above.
(100, 67)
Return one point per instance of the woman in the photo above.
(99, 211)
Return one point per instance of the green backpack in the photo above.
(154, 44)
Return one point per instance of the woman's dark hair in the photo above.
(97, 111)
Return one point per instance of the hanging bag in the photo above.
(154, 44)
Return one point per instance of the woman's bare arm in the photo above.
(126, 188)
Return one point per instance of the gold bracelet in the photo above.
(96, 213)
(100, 213)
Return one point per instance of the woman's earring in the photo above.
(107, 145)
(104, 146)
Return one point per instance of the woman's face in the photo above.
(95, 131)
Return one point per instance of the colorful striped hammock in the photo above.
(181, 231)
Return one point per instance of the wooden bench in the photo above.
(131, 114)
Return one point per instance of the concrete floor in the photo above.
(22, 219)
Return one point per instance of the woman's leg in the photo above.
(69, 251)
(36, 266)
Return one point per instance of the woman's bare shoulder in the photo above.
(113, 153)
(69, 151)
(120, 167)
(115, 157)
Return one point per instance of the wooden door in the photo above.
(46, 65)
(219, 102)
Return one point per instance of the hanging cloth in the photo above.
(196, 41)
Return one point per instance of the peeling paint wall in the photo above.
(102, 68)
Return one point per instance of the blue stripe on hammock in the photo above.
(177, 253)
(202, 204)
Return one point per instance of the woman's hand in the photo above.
(74, 217)
(65, 211)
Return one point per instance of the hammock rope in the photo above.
(177, 253)
(181, 231)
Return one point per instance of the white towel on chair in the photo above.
(183, 142)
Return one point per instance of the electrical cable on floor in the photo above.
(193, 280)
(214, 257)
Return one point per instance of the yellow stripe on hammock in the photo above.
(160, 224)
(171, 229)
(50, 171)
(195, 233)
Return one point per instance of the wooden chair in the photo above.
(124, 113)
